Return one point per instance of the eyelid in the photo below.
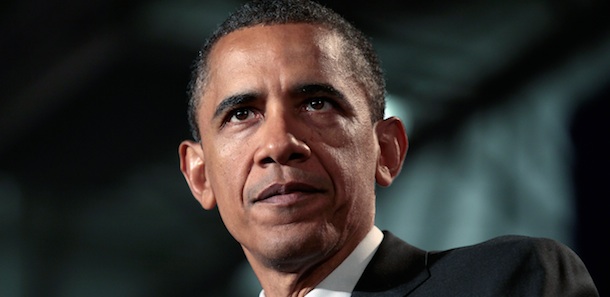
(230, 113)
(334, 104)
(233, 102)
(319, 98)
(236, 111)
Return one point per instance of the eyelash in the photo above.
(328, 103)
(237, 111)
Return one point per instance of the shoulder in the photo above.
(511, 252)
(517, 244)
(529, 262)
(526, 242)
(535, 251)
(512, 245)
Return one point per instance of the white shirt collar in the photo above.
(343, 279)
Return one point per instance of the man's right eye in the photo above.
(240, 115)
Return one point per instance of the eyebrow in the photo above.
(300, 90)
(232, 101)
(317, 88)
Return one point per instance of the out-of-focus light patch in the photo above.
(11, 257)
(185, 23)
(398, 107)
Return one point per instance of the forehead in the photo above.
(299, 36)
(275, 46)
(267, 56)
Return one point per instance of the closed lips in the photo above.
(285, 189)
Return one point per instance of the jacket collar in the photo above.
(396, 269)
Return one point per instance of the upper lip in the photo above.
(286, 188)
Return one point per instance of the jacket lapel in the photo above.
(396, 269)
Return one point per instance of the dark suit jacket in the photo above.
(504, 266)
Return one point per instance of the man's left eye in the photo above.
(318, 104)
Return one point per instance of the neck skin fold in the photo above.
(304, 277)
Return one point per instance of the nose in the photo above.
(278, 141)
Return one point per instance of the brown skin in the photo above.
(289, 153)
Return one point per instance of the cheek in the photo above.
(354, 143)
(226, 185)
(353, 155)
(226, 175)
(352, 169)
(229, 163)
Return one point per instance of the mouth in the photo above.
(286, 193)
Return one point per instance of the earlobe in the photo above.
(393, 145)
(192, 165)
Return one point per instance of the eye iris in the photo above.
(317, 104)
(241, 114)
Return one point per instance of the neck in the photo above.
(299, 277)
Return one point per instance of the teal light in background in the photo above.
(396, 106)
(11, 238)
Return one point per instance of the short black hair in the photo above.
(273, 12)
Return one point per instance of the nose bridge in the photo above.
(280, 137)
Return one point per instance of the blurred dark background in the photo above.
(505, 103)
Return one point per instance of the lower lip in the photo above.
(286, 199)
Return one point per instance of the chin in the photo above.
(290, 248)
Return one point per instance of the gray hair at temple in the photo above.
(358, 49)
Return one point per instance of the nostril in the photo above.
(291, 157)
(267, 160)
(296, 156)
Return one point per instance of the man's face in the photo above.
(289, 149)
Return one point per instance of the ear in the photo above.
(192, 165)
(393, 145)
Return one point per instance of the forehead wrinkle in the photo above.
(326, 50)
(225, 58)
(329, 46)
